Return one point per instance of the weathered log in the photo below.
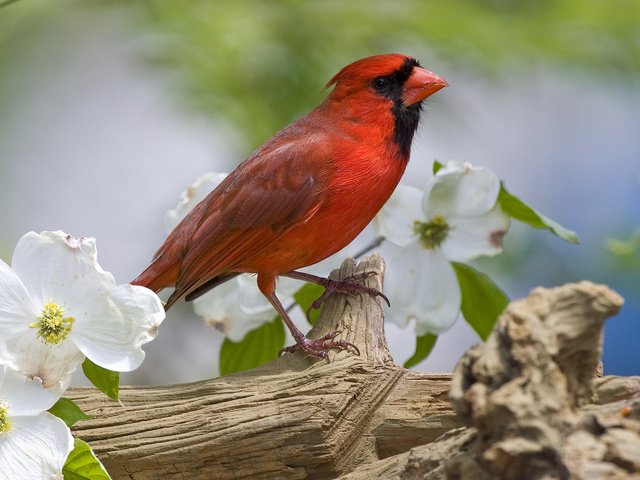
(296, 417)
(528, 397)
(532, 403)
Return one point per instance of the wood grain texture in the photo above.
(529, 400)
(294, 418)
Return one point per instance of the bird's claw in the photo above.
(318, 347)
(350, 286)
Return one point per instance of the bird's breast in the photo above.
(352, 196)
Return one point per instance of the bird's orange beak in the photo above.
(420, 85)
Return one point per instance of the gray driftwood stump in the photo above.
(528, 398)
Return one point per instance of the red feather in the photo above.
(309, 190)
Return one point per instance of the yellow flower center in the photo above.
(5, 424)
(433, 232)
(52, 325)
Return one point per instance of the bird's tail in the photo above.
(158, 275)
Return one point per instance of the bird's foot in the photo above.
(318, 347)
(349, 285)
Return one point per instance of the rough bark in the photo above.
(296, 417)
(527, 397)
(531, 401)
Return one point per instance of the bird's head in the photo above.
(392, 76)
(391, 84)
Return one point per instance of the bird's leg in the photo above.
(350, 285)
(316, 347)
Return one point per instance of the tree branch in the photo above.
(527, 397)
(296, 417)
(531, 403)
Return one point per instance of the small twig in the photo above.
(291, 306)
(374, 244)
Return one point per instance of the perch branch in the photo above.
(296, 417)
(528, 397)
(532, 404)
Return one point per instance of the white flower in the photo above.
(34, 444)
(457, 218)
(57, 306)
(194, 194)
(237, 306)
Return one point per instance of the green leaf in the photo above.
(424, 345)
(306, 296)
(68, 411)
(624, 248)
(107, 381)
(257, 347)
(516, 208)
(482, 300)
(82, 464)
(436, 166)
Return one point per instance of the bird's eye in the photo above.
(380, 83)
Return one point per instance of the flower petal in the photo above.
(57, 267)
(422, 285)
(472, 237)
(24, 396)
(395, 220)
(52, 364)
(285, 287)
(235, 307)
(194, 194)
(249, 298)
(461, 190)
(36, 447)
(116, 325)
(17, 309)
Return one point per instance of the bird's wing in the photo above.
(255, 205)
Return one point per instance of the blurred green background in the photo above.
(111, 108)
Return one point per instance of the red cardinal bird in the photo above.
(305, 194)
